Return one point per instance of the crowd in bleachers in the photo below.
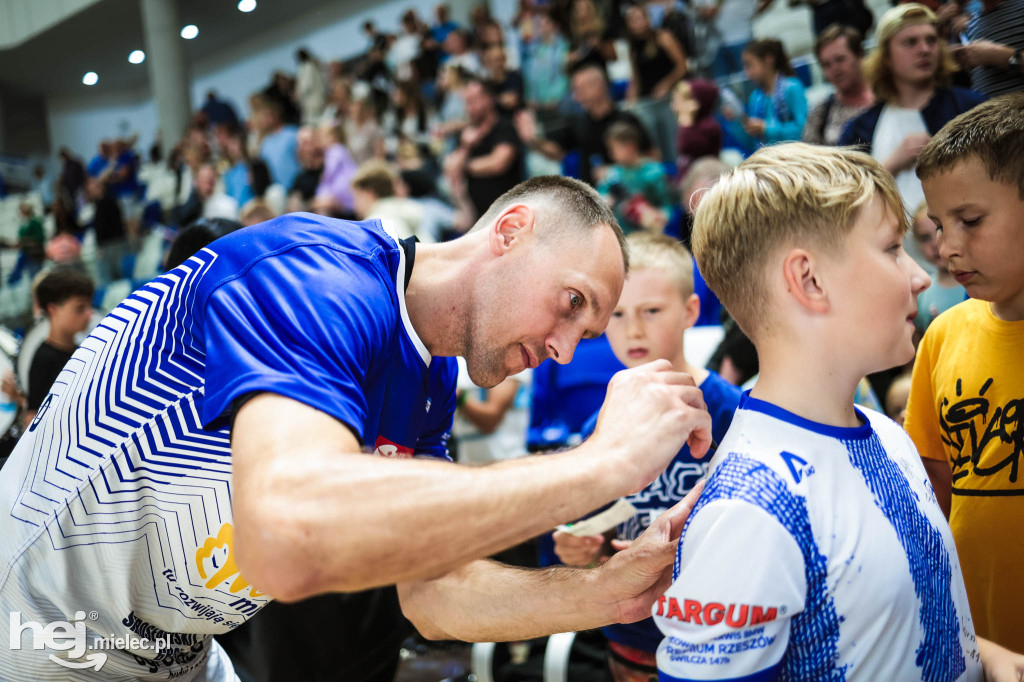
(648, 102)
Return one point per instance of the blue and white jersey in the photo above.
(816, 553)
(664, 492)
(115, 507)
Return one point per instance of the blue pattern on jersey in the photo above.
(940, 655)
(813, 651)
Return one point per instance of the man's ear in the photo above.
(512, 226)
(802, 272)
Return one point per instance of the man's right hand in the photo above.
(648, 414)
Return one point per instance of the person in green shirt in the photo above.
(31, 241)
(636, 185)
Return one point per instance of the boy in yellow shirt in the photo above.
(966, 407)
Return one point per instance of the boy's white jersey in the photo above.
(816, 553)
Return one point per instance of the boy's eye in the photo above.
(652, 311)
(973, 222)
(617, 314)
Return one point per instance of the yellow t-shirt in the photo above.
(967, 407)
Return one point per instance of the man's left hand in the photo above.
(635, 577)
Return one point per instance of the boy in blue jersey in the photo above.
(817, 549)
(656, 307)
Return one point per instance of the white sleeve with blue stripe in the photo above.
(739, 580)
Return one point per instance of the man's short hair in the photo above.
(376, 178)
(568, 204)
(63, 283)
(660, 252)
(787, 195)
(992, 132)
(854, 39)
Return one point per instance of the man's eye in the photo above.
(574, 300)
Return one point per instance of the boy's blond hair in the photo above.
(649, 251)
(992, 132)
(787, 195)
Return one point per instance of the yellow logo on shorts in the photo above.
(218, 554)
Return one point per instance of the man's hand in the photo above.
(981, 53)
(906, 154)
(1000, 665)
(578, 551)
(526, 125)
(755, 127)
(648, 414)
(471, 135)
(636, 576)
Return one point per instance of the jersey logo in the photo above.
(733, 615)
(798, 472)
(385, 448)
(216, 558)
(41, 411)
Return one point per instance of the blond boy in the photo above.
(966, 407)
(656, 307)
(817, 550)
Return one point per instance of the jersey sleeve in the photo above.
(922, 421)
(309, 324)
(740, 580)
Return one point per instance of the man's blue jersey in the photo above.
(117, 501)
(816, 553)
(679, 478)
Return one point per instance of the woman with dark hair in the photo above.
(777, 108)
(658, 63)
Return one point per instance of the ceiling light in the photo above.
(90, 78)
(190, 32)
(137, 57)
(246, 5)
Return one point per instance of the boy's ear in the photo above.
(802, 272)
(692, 311)
(512, 225)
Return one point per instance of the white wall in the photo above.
(235, 72)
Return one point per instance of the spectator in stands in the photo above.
(206, 201)
(334, 193)
(636, 187)
(311, 158)
(42, 185)
(585, 132)
(30, 244)
(839, 50)
(451, 115)
(726, 26)
(699, 134)
(995, 53)
(406, 46)
(444, 26)
(701, 175)
(945, 292)
(508, 84)
(124, 177)
(375, 195)
(65, 297)
(824, 13)
(108, 227)
(546, 55)
(489, 159)
(282, 91)
(456, 46)
(409, 113)
(909, 72)
(219, 112)
(362, 131)
(236, 177)
(101, 163)
(72, 177)
(777, 108)
(279, 144)
(65, 248)
(256, 211)
(337, 107)
(589, 37)
(309, 87)
(658, 63)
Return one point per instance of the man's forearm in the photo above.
(486, 601)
